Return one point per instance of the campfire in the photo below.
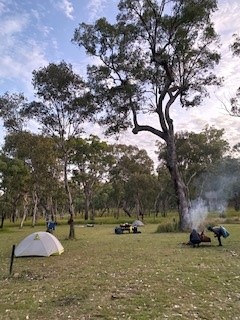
(204, 238)
(196, 238)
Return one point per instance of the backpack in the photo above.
(224, 232)
(118, 230)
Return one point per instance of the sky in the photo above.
(35, 33)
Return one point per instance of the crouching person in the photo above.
(195, 238)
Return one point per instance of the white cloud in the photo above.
(24, 49)
(45, 30)
(18, 63)
(12, 25)
(95, 8)
(227, 18)
(19, 55)
(2, 7)
(66, 7)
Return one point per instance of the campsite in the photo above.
(140, 122)
(101, 275)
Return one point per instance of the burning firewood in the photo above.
(196, 238)
(204, 238)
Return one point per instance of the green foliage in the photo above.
(234, 101)
(197, 151)
(158, 53)
(168, 227)
(92, 160)
(15, 176)
(63, 102)
(196, 154)
(134, 184)
(11, 106)
(235, 46)
(176, 59)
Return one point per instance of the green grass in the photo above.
(131, 276)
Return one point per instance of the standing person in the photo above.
(218, 233)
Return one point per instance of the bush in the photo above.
(168, 227)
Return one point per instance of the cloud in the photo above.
(2, 8)
(12, 25)
(27, 42)
(66, 7)
(18, 68)
(96, 7)
(227, 18)
(20, 55)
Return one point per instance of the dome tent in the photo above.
(42, 244)
(138, 223)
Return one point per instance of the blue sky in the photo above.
(34, 33)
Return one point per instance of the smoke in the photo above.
(215, 191)
(198, 213)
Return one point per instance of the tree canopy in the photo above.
(235, 105)
(156, 54)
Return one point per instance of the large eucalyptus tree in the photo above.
(156, 55)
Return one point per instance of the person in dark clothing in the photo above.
(217, 233)
(195, 238)
(51, 226)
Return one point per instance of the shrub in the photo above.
(168, 227)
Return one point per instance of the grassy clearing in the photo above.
(131, 276)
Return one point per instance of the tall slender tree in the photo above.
(61, 111)
(92, 160)
(131, 176)
(156, 55)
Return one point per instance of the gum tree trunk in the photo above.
(70, 201)
(181, 191)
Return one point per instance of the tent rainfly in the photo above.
(41, 243)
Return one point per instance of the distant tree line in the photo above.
(106, 179)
